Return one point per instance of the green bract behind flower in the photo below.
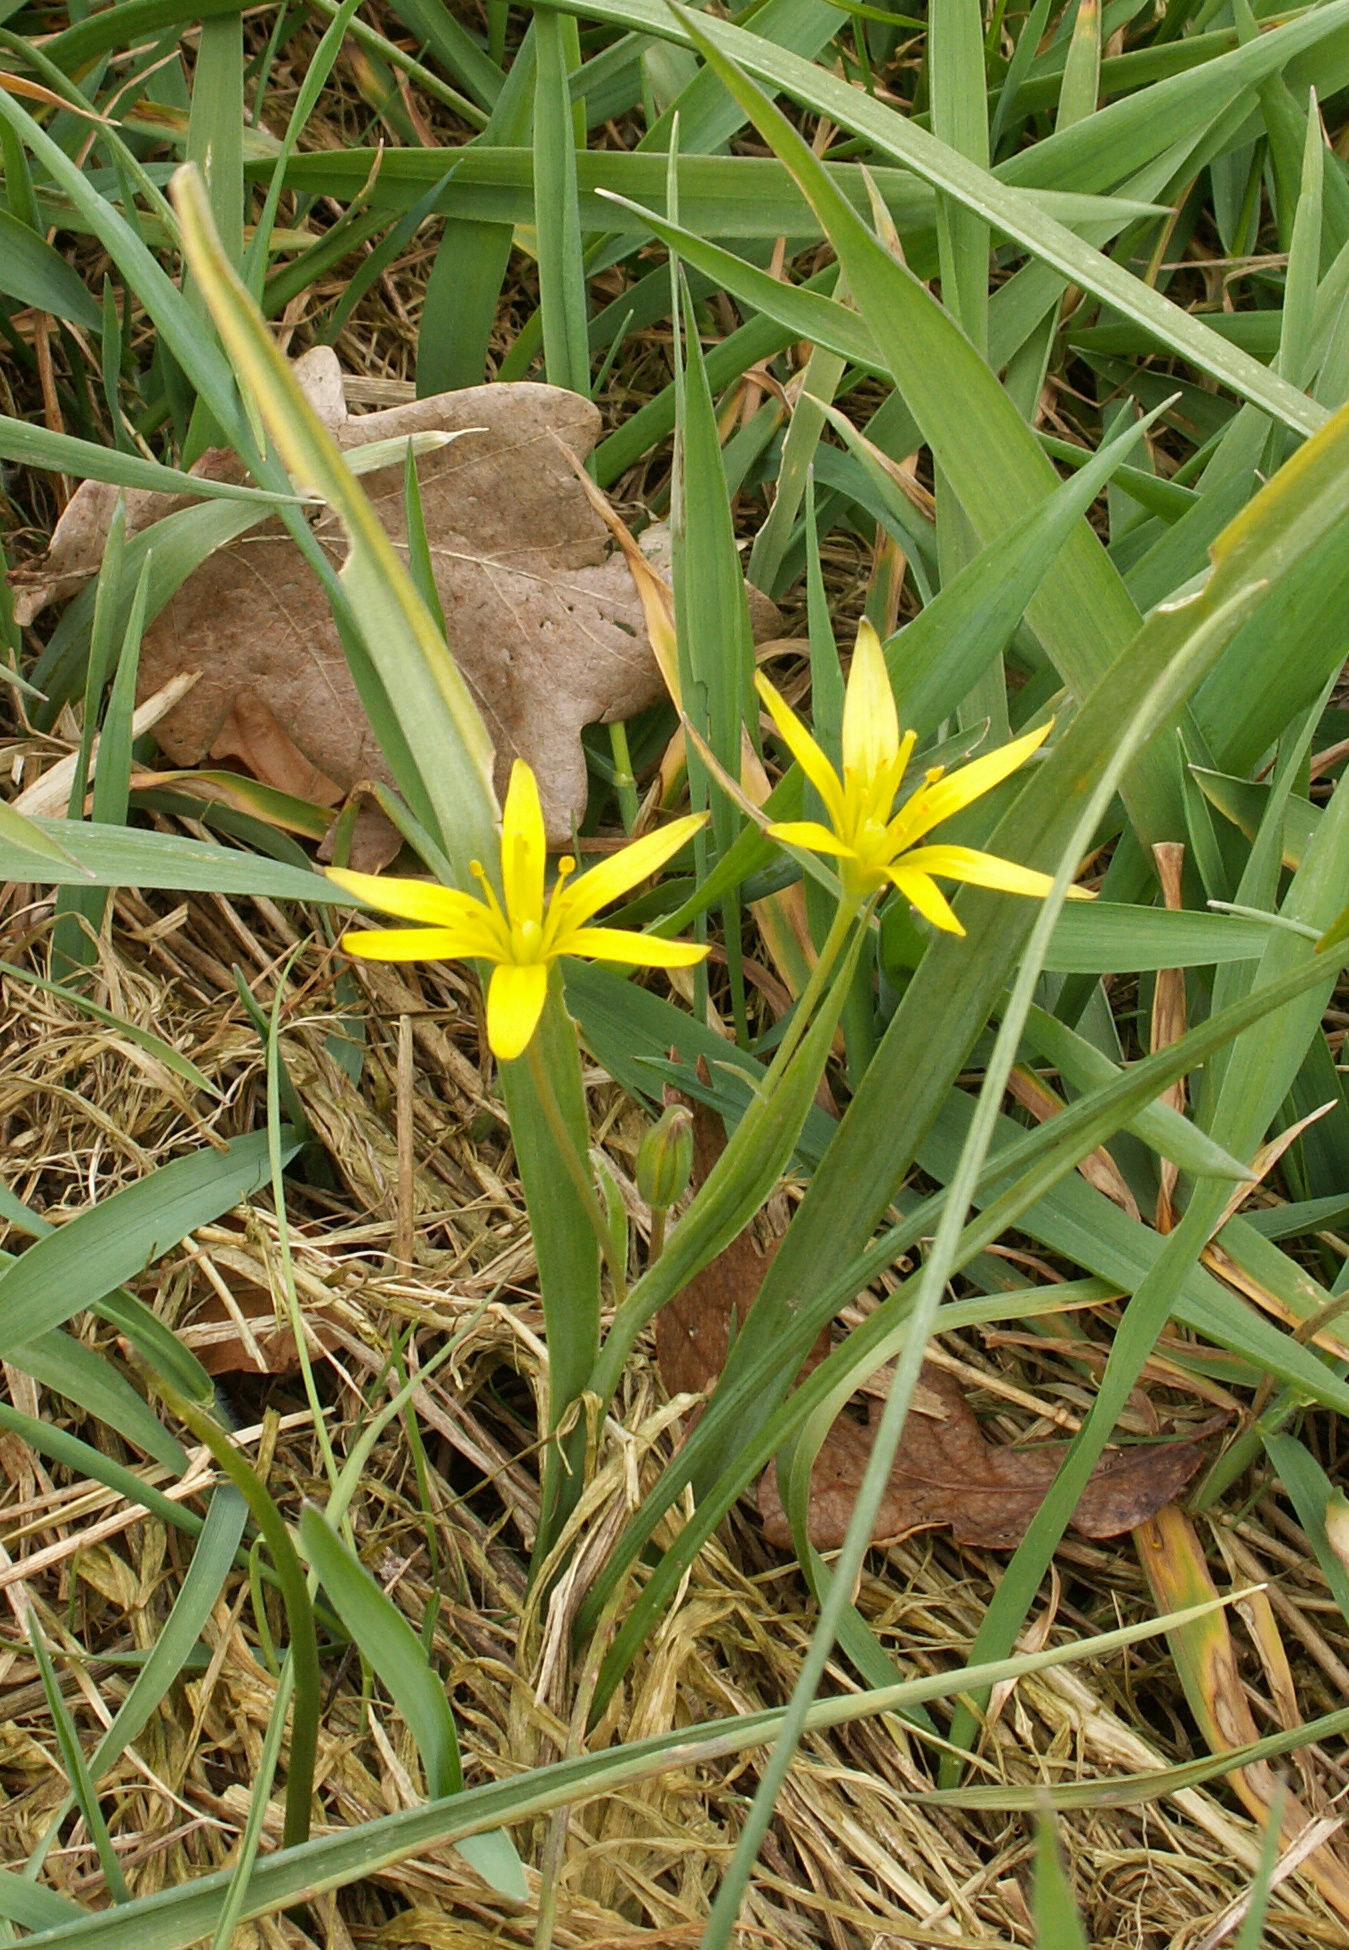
(522, 936)
(870, 846)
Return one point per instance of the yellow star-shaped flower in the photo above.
(522, 937)
(870, 846)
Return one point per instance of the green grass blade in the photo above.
(955, 55)
(113, 776)
(36, 274)
(115, 1239)
(1053, 1910)
(562, 290)
(302, 1653)
(1082, 69)
(197, 1598)
(216, 126)
(399, 1660)
(1311, 1492)
(77, 1773)
(63, 1364)
(436, 712)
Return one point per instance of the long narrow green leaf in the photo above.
(35, 274)
(399, 1659)
(123, 1233)
(174, 1918)
(436, 712)
(562, 291)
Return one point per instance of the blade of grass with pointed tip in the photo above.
(25, 840)
(35, 274)
(176, 1917)
(115, 1239)
(400, 1662)
(197, 1598)
(77, 1772)
(435, 710)
(65, 1365)
(1310, 1491)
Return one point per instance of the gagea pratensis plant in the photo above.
(872, 847)
(521, 933)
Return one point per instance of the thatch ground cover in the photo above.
(411, 1246)
(854, 1855)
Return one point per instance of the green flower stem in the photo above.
(632, 1316)
(625, 785)
(577, 1170)
(815, 986)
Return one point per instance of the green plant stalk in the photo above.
(550, 1125)
(576, 1170)
(303, 1648)
(686, 1249)
(1168, 683)
(625, 785)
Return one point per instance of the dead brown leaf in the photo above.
(544, 620)
(222, 1344)
(693, 1330)
(946, 1472)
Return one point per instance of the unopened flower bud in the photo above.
(665, 1160)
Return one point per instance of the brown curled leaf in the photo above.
(946, 1472)
(693, 1329)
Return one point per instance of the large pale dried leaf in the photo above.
(545, 622)
(946, 1472)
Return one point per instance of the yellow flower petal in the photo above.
(515, 999)
(406, 944)
(926, 896)
(870, 720)
(413, 900)
(639, 950)
(931, 804)
(804, 750)
(979, 869)
(807, 833)
(604, 882)
(524, 848)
